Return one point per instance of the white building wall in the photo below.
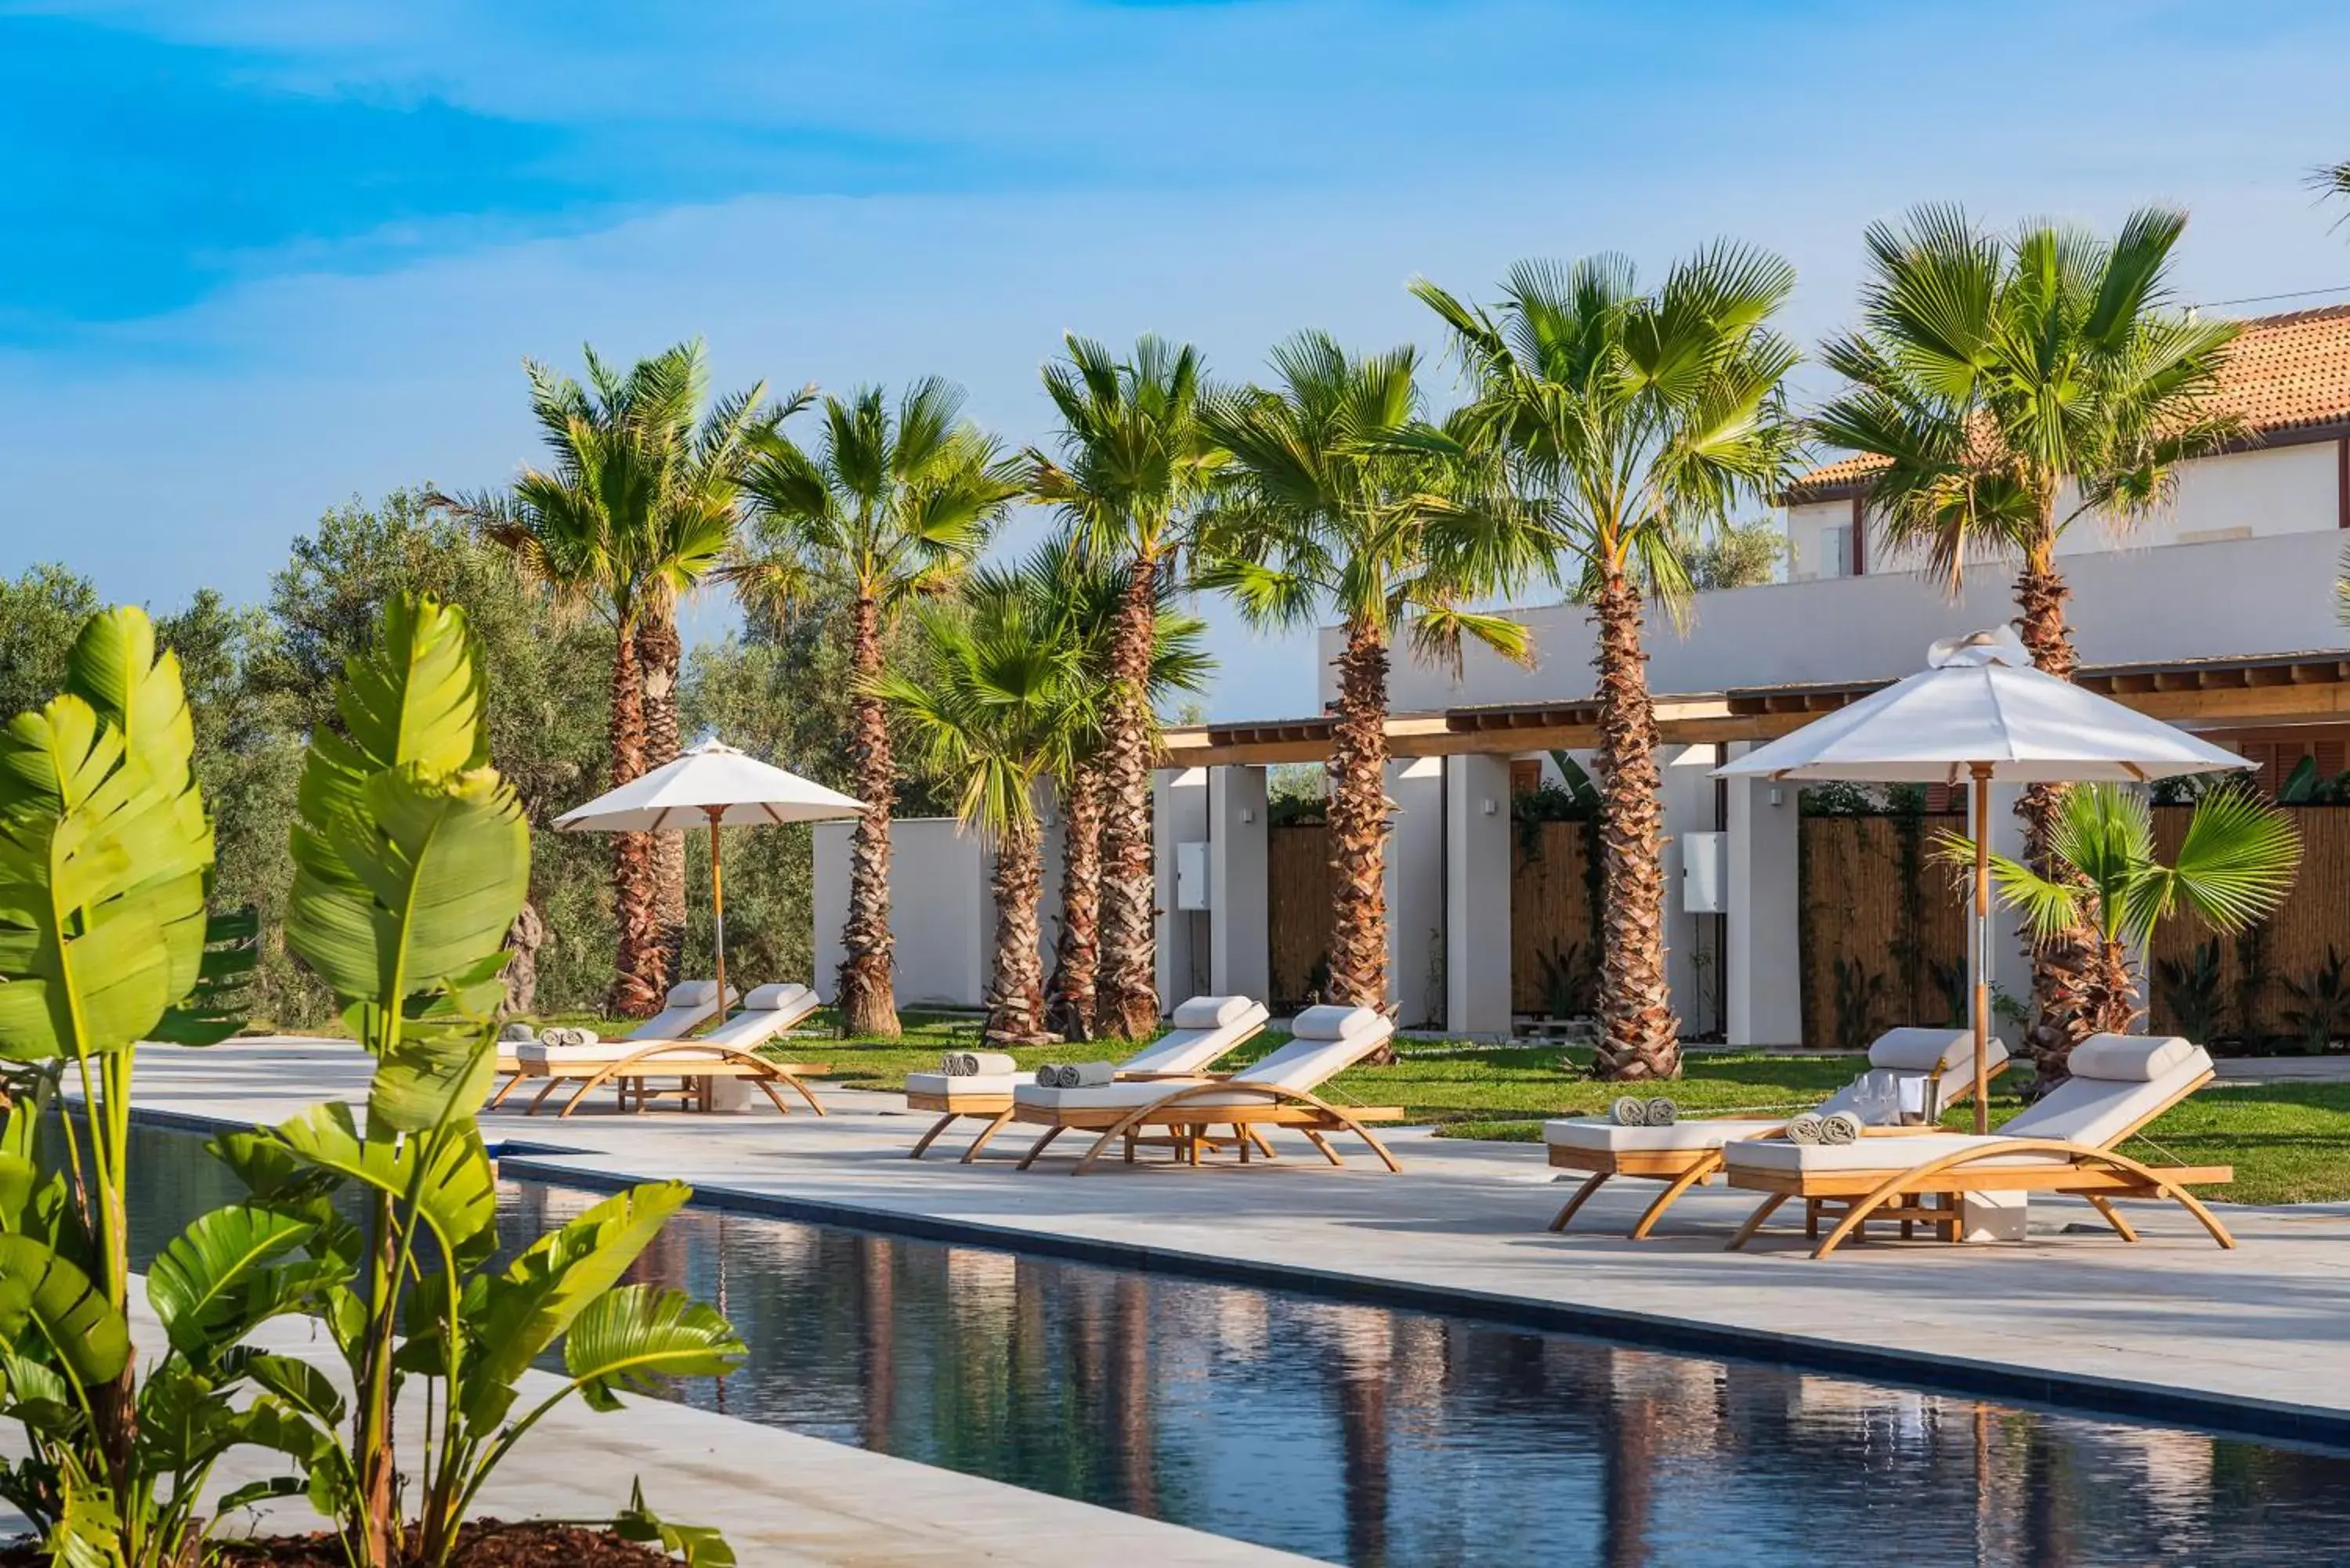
(941, 908)
(1179, 815)
(1415, 889)
(2266, 594)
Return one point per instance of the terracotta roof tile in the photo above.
(2285, 372)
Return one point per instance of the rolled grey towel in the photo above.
(951, 1063)
(1662, 1112)
(1629, 1111)
(1088, 1074)
(989, 1063)
(516, 1034)
(1804, 1128)
(1048, 1076)
(1840, 1128)
(1065, 1076)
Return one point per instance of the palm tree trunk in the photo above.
(1127, 1002)
(1015, 995)
(1359, 824)
(636, 978)
(1076, 956)
(868, 1001)
(2064, 967)
(659, 655)
(1640, 1036)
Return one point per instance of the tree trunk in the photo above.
(1015, 992)
(2065, 967)
(1638, 1035)
(1359, 824)
(868, 1001)
(659, 655)
(1076, 956)
(1128, 1001)
(636, 980)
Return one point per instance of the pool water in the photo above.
(1371, 1436)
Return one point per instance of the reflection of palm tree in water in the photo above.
(877, 1321)
(1130, 1405)
(1627, 1429)
(2047, 1539)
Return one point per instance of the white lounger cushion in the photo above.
(989, 1083)
(774, 998)
(2097, 1112)
(1331, 1022)
(1889, 1155)
(2100, 1111)
(1303, 1066)
(746, 1031)
(2138, 1058)
(1599, 1133)
(1910, 1052)
(1189, 1049)
(1213, 1012)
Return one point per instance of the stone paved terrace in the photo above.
(2257, 1338)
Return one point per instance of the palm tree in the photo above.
(634, 509)
(1081, 594)
(692, 526)
(1338, 493)
(1629, 422)
(1133, 464)
(994, 699)
(890, 507)
(2234, 867)
(2009, 389)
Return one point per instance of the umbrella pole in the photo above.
(1980, 800)
(717, 906)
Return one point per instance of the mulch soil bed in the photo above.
(485, 1543)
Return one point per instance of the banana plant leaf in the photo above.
(215, 1281)
(628, 1338)
(44, 1292)
(544, 1291)
(457, 1198)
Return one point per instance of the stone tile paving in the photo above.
(2267, 1326)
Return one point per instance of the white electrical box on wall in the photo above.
(1191, 890)
(1705, 873)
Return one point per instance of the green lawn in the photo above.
(2289, 1142)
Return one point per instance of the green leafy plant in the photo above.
(2192, 989)
(2234, 867)
(411, 858)
(2321, 1012)
(106, 862)
(1568, 981)
(1949, 978)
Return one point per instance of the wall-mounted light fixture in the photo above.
(1487, 805)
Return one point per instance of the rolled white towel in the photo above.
(1662, 1112)
(1803, 1128)
(1841, 1129)
(1629, 1111)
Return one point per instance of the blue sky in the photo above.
(258, 257)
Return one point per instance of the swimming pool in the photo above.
(1373, 1437)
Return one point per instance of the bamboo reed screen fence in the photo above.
(1297, 909)
(1552, 946)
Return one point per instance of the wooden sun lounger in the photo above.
(1679, 1169)
(1188, 1124)
(1928, 1192)
(696, 1064)
(995, 1107)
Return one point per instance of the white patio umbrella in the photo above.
(714, 784)
(1981, 714)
